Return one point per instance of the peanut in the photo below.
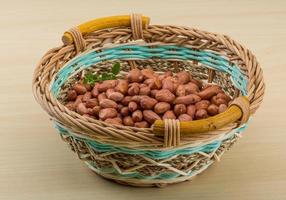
(189, 99)
(147, 73)
(87, 86)
(147, 103)
(144, 90)
(107, 113)
(78, 100)
(150, 116)
(154, 83)
(135, 75)
(153, 93)
(142, 124)
(132, 106)
(199, 83)
(109, 91)
(80, 89)
(185, 117)
(137, 116)
(203, 104)
(134, 90)
(71, 95)
(101, 96)
(127, 121)
(162, 107)
(116, 121)
(180, 109)
(91, 103)
(94, 92)
(81, 109)
(201, 114)
(191, 110)
(70, 105)
(86, 96)
(222, 108)
(181, 91)
(122, 86)
(165, 95)
(168, 84)
(107, 103)
(183, 77)
(95, 110)
(105, 85)
(124, 111)
(209, 92)
(212, 110)
(191, 88)
(125, 101)
(116, 96)
(223, 96)
(169, 115)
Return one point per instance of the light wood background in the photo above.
(36, 164)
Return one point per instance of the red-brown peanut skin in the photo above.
(122, 87)
(71, 95)
(183, 77)
(153, 93)
(169, 115)
(191, 88)
(189, 99)
(124, 111)
(145, 91)
(180, 109)
(199, 83)
(222, 108)
(116, 96)
(191, 110)
(94, 92)
(70, 105)
(132, 106)
(154, 83)
(142, 124)
(209, 92)
(116, 121)
(81, 109)
(91, 103)
(79, 88)
(95, 110)
(203, 104)
(101, 96)
(169, 85)
(105, 85)
(162, 107)
(150, 116)
(165, 95)
(201, 114)
(107, 103)
(127, 121)
(86, 96)
(147, 73)
(147, 103)
(137, 116)
(135, 76)
(184, 118)
(223, 96)
(133, 90)
(78, 100)
(181, 91)
(107, 113)
(125, 101)
(212, 109)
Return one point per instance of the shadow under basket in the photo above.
(169, 151)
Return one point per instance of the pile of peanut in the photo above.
(145, 96)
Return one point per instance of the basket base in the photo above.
(146, 183)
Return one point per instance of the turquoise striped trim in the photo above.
(153, 154)
(169, 52)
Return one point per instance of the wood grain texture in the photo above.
(36, 164)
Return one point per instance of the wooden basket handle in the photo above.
(239, 109)
(103, 23)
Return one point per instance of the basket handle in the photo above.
(239, 109)
(103, 23)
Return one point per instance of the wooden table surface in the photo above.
(36, 164)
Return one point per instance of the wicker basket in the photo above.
(170, 151)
